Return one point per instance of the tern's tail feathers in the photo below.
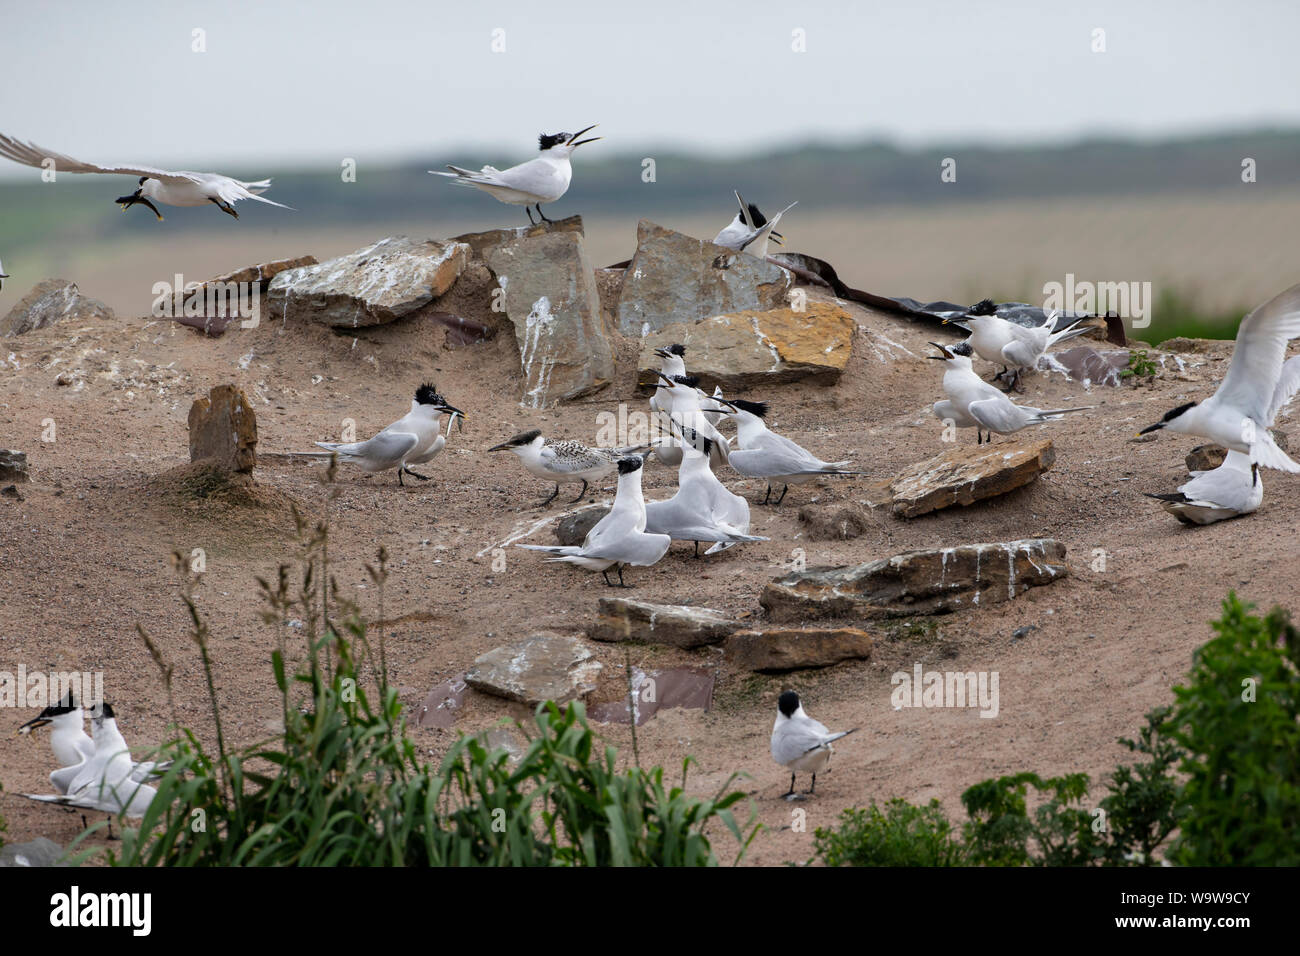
(1177, 497)
(1266, 454)
(843, 733)
(1069, 332)
(1053, 414)
(341, 450)
(253, 194)
(559, 550)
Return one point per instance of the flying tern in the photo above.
(620, 538)
(1238, 415)
(762, 453)
(741, 230)
(170, 188)
(799, 743)
(974, 403)
(563, 461)
(104, 781)
(413, 439)
(541, 180)
(702, 509)
(1014, 347)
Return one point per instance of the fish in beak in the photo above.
(574, 142)
(35, 722)
(444, 407)
(946, 354)
(136, 199)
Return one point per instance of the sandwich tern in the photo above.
(755, 241)
(413, 439)
(762, 453)
(72, 746)
(1238, 415)
(702, 509)
(741, 230)
(688, 407)
(1014, 347)
(563, 461)
(974, 403)
(1234, 488)
(178, 188)
(3, 276)
(799, 743)
(541, 180)
(620, 538)
(104, 781)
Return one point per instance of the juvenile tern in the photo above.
(563, 461)
(741, 230)
(413, 439)
(1014, 347)
(702, 509)
(799, 743)
(541, 180)
(104, 781)
(178, 188)
(1238, 415)
(762, 453)
(973, 402)
(618, 539)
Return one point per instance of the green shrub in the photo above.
(899, 835)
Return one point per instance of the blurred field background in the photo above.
(1174, 213)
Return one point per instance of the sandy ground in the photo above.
(84, 556)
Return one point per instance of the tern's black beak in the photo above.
(946, 354)
(665, 381)
(501, 447)
(1151, 428)
(135, 198)
(575, 142)
(662, 352)
(444, 407)
(32, 724)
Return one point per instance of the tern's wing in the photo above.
(794, 738)
(567, 457)
(387, 446)
(232, 190)
(29, 154)
(1023, 352)
(1286, 388)
(1257, 357)
(998, 414)
(1231, 485)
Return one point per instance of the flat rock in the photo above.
(572, 529)
(787, 649)
(621, 619)
(38, 852)
(687, 687)
(51, 301)
(741, 349)
(932, 581)
(963, 475)
(263, 273)
(443, 704)
(543, 666)
(1087, 365)
(480, 242)
(676, 278)
(378, 284)
(551, 299)
(223, 430)
(13, 465)
(835, 520)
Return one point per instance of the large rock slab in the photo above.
(223, 430)
(747, 348)
(788, 649)
(1087, 365)
(551, 299)
(480, 242)
(13, 465)
(378, 284)
(621, 619)
(963, 475)
(933, 581)
(51, 301)
(544, 666)
(676, 278)
(687, 687)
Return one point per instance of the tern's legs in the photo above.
(531, 220)
(225, 207)
(413, 474)
(542, 214)
(790, 792)
(552, 498)
(582, 495)
(605, 575)
(814, 784)
(697, 549)
(768, 495)
(784, 489)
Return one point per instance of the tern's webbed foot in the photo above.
(415, 474)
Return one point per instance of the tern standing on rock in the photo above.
(541, 180)
(799, 743)
(619, 538)
(762, 453)
(156, 185)
(1238, 415)
(413, 439)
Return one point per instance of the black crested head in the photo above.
(1171, 415)
(757, 409)
(629, 464)
(962, 348)
(788, 703)
(677, 349)
(758, 218)
(547, 140)
(983, 307)
(142, 179)
(427, 394)
(106, 710)
(65, 706)
(690, 381)
(524, 438)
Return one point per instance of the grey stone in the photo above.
(572, 529)
(551, 299)
(51, 301)
(676, 278)
(932, 581)
(13, 465)
(787, 649)
(383, 282)
(480, 242)
(38, 852)
(543, 666)
(621, 619)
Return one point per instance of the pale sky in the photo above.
(389, 80)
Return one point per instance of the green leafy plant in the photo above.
(899, 834)
(1001, 832)
(1140, 366)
